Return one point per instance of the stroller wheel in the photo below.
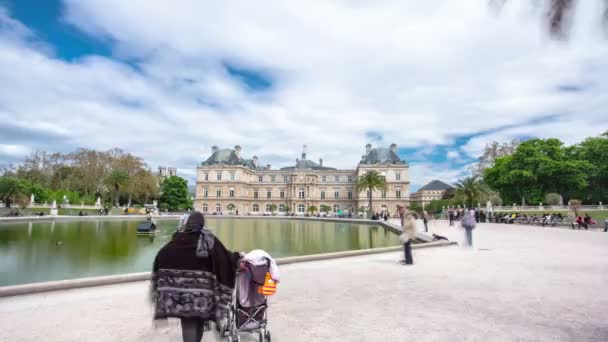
(261, 336)
(267, 335)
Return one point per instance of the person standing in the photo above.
(193, 278)
(409, 232)
(468, 223)
(606, 225)
(451, 217)
(425, 219)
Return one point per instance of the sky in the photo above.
(168, 80)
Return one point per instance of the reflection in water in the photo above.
(44, 251)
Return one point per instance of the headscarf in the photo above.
(206, 239)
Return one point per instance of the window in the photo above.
(232, 177)
(301, 193)
(398, 193)
(337, 179)
(350, 179)
(336, 208)
(282, 193)
(285, 179)
(281, 208)
(350, 194)
(268, 194)
(206, 192)
(218, 208)
(219, 176)
(336, 194)
(218, 193)
(256, 208)
(398, 176)
(272, 178)
(260, 179)
(268, 208)
(324, 179)
(322, 194)
(231, 192)
(301, 208)
(206, 176)
(383, 193)
(255, 194)
(205, 208)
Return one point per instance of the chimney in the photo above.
(394, 148)
(368, 148)
(255, 160)
(214, 149)
(320, 161)
(237, 151)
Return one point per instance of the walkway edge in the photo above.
(17, 290)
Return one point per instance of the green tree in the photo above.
(470, 190)
(370, 181)
(415, 207)
(116, 180)
(312, 209)
(287, 209)
(436, 206)
(325, 208)
(593, 151)
(231, 207)
(175, 193)
(13, 190)
(273, 208)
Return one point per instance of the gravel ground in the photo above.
(520, 284)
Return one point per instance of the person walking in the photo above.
(468, 223)
(425, 219)
(409, 232)
(193, 278)
(451, 217)
(606, 225)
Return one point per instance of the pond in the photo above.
(54, 250)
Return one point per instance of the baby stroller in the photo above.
(249, 308)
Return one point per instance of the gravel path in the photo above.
(522, 284)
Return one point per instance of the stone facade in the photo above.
(227, 183)
(431, 191)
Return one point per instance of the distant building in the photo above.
(227, 182)
(431, 191)
(164, 172)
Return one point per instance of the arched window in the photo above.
(218, 207)
(256, 208)
(281, 208)
(205, 208)
(336, 208)
(301, 208)
(268, 208)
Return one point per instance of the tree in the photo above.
(593, 152)
(287, 209)
(175, 193)
(370, 181)
(231, 207)
(493, 151)
(415, 207)
(553, 199)
(312, 209)
(13, 190)
(117, 179)
(325, 208)
(470, 190)
(273, 208)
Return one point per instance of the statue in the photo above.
(98, 202)
(32, 198)
(54, 205)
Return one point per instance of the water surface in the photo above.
(45, 251)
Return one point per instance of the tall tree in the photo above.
(116, 180)
(470, 190)
(175, 194)
(370, 181)
(13, 190)
(493, 151)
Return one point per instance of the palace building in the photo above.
(227, 182)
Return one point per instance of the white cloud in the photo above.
(13, 150)
(418, 73)
(453, 154)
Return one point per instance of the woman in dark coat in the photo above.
(193, 278)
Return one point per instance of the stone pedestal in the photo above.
(54, 212)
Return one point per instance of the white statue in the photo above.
(32, 198)
(54, 204)
(98, 202)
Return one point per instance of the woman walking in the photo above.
(409, 232)
(193, 278)
(468, 223)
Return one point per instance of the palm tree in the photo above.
(470, 189)
(370, 181)
(116, 180)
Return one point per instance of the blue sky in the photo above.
(167, 81)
